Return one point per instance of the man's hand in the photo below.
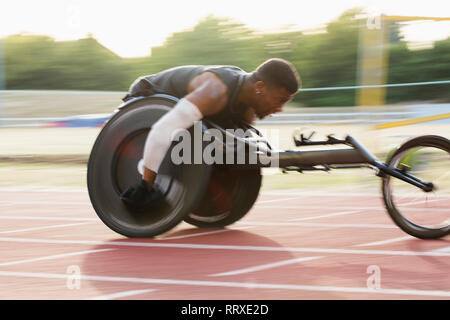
(140, 198)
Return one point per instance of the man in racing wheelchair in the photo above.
(218, 93)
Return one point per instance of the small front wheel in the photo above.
(424, 215)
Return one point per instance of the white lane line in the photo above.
(192, 235)
(447, 249)
(319, 225)
(264, 266)
(326, 215)
(47, 218)
(380, 208)
(421, 201)
(122, 294)
(43, 190)
(277, 200)
(299, 192)
(69, 203)
(228, 247)
(6, 204)
(46, 227)
(322, 194)
(378, 243)
(255, 223)
(56, 256)
(230, 284)
(319, 207)
(202, 233)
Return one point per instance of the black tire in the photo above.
(112, 167)
(437, 143)
(230, 194)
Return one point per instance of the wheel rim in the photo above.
(421, 210)
(229, 195)
(127, 156)
(217, 202)
(124, 174)
(112, 168)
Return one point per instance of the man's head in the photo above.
(274, 82)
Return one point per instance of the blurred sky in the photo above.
(131, 27)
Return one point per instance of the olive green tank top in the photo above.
(175, 82)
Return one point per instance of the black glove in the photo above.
(139, 198)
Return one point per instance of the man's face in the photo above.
(270, 100)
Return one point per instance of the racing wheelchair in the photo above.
(415, 179)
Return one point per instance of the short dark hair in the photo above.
(278, 72)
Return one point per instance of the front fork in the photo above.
(384, 170)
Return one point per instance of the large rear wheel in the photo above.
(112, 168)
(229, 195)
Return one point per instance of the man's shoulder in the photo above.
(228, 74)
(224, 67)
(181, 69)
(204, 67)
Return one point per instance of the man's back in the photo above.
(175, 82)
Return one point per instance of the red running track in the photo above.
(292, 245)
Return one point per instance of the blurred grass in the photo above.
(17, 104)
(319, 180)
(47, 141)
(56, 157)
(44, 175)
(65, 103)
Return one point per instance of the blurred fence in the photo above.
(91, 120)
(47, 108)
(436, 113)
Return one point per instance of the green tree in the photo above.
(327, 58)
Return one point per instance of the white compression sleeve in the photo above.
(182, 116)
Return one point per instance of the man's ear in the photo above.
(260, 86)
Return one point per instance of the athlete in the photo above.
(219, 93)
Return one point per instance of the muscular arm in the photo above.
(209, 94)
